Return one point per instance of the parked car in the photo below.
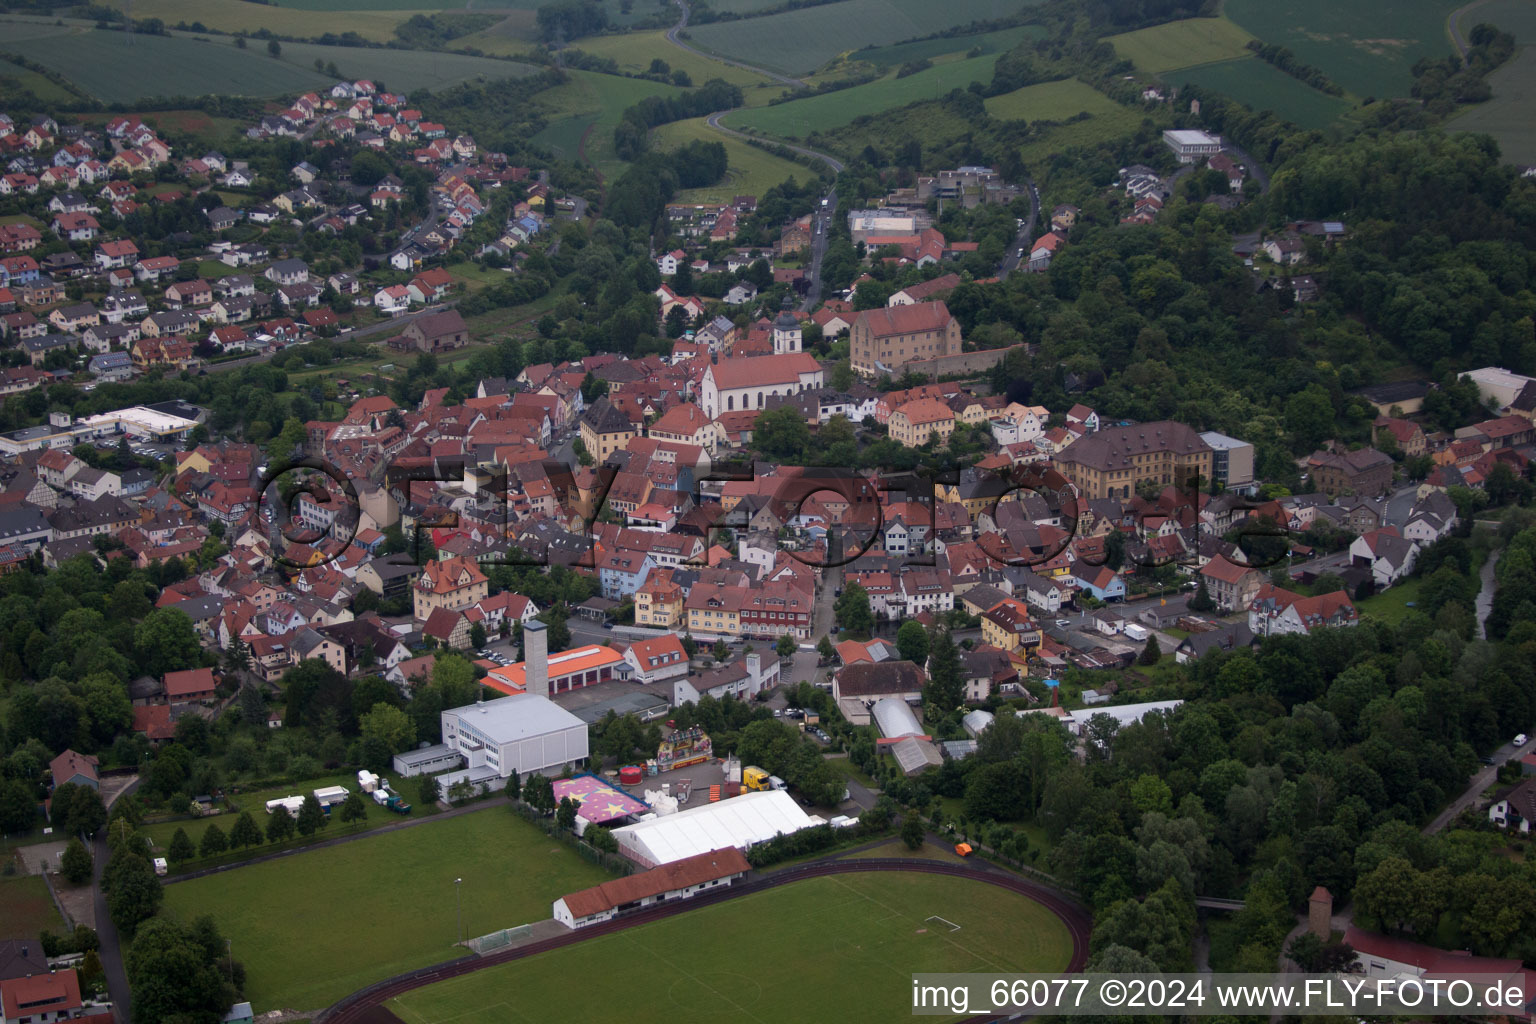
(1520, 740)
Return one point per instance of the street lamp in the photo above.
(459, 904)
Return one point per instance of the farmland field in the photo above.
(1109, 123)
(1181, 44)
(409, 6)
(839, 948)
(1052, 101)
(26, 909)
(1351, 42)
(592, 100)
(799, 42)
(240, 16)
(1515, 16)
(751, 171)
(112, 66)
(634, 52)
(312, 927)
(1264, 87)
(798, 118)
(38, 85)
(1000, 41)
(1509, 115)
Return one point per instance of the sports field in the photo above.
(312, 927)
(799, 118)
(841, 948)
(1052, 101)
(1366, 48)
(1264, 87)
(798, 42)
(634, 51)
(26, 908)
(1181, 44)
(750, 171)
(1509, 116)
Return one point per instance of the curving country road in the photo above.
(682, 23)
(358, 1007)
(1453, 27)
(713, 120)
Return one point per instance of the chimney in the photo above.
(536, 658)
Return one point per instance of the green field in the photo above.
(799, 42)
(1514, 16)
(38, 85)
(751, 171)
(841, 948)
(1265, 87)
(634, 51)
(1107, 123)
(26, 909)
(1000, 41)
(1181, 44)
(596, 101)
(241, 16)
(312, 927)
(114, 66)
(1391, 605)
(1366, 49)
(799, 118)
(410, 6)
(1508, 117)
(160, 833)
(1052, 101)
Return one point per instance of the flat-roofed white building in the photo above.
(741, 822)
(521, 734)
(1191, 145)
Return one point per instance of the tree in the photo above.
(514, 787)
(781, 434)
(477, 636)
(274, 48)
(253, 706)
(174, 976)
(825, 648)
(245, 832)
(76, 862)
(913, 832)
(86, 813)
(166, 642)
(565, 815)
(1315, 956)
(181, 849)
(912, 642)
(852, 610)
(428, 791)
(390, 726)
(1202, 601)
(213, 842)
(311, 816)
(133, 891)
(18, 806)
(353, 808)
(721, 650)
(601, 838)
(559, 633)
(280, 826)
(946, 683)
(786, 646)
(1150, 653)
(539, 793)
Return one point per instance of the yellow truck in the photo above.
(753, 777)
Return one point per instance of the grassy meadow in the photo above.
(1265, 87)
(1181, 44)
(750, 171)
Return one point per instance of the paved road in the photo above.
(713, 120)
(391, 327)
(682, 23)
(821, 230)
(1254, 167)
(1453, 26)
(1481, 781)
(1026, 235)
(111, 951)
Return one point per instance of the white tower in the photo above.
(786, 334)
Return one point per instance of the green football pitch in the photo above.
(840, 948)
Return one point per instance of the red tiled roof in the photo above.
(909, 319)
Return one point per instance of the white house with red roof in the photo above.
(658, 660)
(747, 382)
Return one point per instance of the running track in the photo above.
(363, 1005)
